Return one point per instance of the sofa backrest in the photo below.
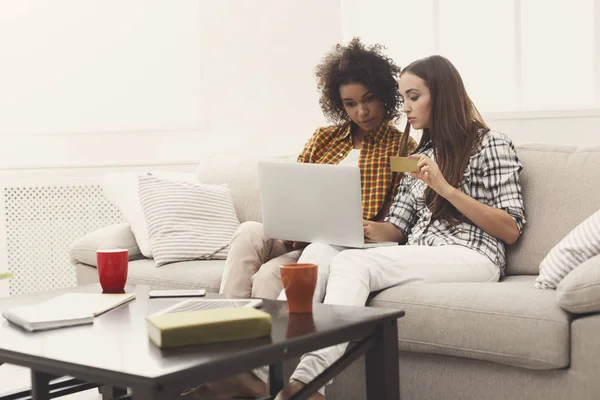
(242, 177)
(561, 188)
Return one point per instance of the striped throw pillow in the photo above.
(581, 244)
(187, 220)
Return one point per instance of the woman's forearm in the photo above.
(493, 221)
(391, 233)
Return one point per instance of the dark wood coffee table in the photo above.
(115, 353)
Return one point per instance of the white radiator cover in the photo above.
(44, 209)
(41, 224)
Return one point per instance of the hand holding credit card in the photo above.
(403, 164)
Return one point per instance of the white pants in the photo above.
(353, 274)
(321, 255)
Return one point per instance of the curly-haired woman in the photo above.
(359, 93)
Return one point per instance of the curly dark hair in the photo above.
(357, 63)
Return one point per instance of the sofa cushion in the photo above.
(121, 189)
(581, 244)
(187, 220)
(508, 322)
(241, 175)
(556, 197)
(201, 274)
(579, 292)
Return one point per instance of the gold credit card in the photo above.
(403, 164)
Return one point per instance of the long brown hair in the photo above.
(455, 128)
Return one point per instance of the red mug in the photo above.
(112, 269)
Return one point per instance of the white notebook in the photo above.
(65, 310)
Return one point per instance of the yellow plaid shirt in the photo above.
(331, 144)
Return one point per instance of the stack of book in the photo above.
(176, 329)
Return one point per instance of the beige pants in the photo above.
(252, 265)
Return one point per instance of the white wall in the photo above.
(258, 60)
(112, 81)
(76, 75)
(72, 66)
(579, 128)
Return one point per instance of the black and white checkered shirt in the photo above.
(491, 177)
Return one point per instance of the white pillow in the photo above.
(121, 189)
(186, 220)
(581, 244)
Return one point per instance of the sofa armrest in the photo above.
(118, 236)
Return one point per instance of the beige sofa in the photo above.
(457, 341)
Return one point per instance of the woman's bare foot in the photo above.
(294, 387)
(243, 385)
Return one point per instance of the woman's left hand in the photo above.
(429, 172)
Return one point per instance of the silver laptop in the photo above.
(314, 203)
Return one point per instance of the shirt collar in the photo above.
(376, 133)
(380, 131)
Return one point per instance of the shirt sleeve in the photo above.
(501, 170)
(308, 153)
(402, 212)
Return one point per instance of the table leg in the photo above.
(40, 385)
(382, 364)
(275, 379)
(153, 393)
(110, 392)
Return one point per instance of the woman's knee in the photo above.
(249, 232)
(349, 262)
(349, 279)
(267, 272)
(266, 282)
(251, 228)
(320, 254)
(315, 249)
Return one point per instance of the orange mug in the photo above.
(299, 282)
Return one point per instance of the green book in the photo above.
(207, 326)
